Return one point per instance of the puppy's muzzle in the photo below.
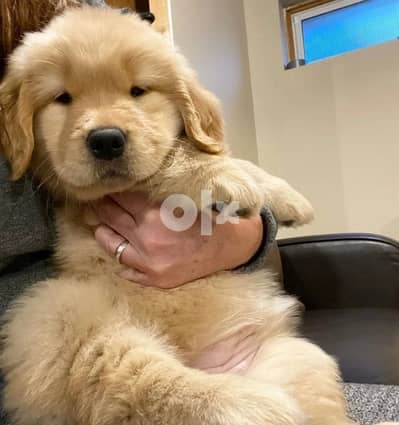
(106, 143)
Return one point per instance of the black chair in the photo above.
(349, 284)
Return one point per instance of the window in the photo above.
(321, 29)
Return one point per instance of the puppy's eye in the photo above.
(64, 98)
(137, 91)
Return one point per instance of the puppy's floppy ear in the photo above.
(201, 115)
(16, 124)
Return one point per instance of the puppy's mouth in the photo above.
(111, 181)
(93, 180)
(109, 172)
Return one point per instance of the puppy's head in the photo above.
(96, 101)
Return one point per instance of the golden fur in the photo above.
(91, 348)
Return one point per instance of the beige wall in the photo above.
(331, 128)
(212, 36)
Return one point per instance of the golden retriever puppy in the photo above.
(99, 103)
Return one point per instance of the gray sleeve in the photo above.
(25, 218)
(270, 229)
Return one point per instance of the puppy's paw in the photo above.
(237, 191)
(249, 403)
(289, 207)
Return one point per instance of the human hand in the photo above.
(164, 258)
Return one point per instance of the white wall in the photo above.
(212, 35)
(331, 128)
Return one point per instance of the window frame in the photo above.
(160, 8)
(295, 15)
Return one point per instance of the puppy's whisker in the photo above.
(45, 180)
(46, 161)
(46, 62)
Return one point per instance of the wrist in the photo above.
(254, 232)
(269, 233)
(242, 241)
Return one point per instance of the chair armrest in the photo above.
(342, 270)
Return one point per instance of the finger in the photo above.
(109, 242)
(135, 276)
(111, 214)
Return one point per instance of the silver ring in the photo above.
(119, 250)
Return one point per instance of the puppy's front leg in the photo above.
(207, 179)
(131, 381)
(74, 354)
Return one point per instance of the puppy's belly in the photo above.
(233, 354)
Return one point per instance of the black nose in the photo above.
(106, 143)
